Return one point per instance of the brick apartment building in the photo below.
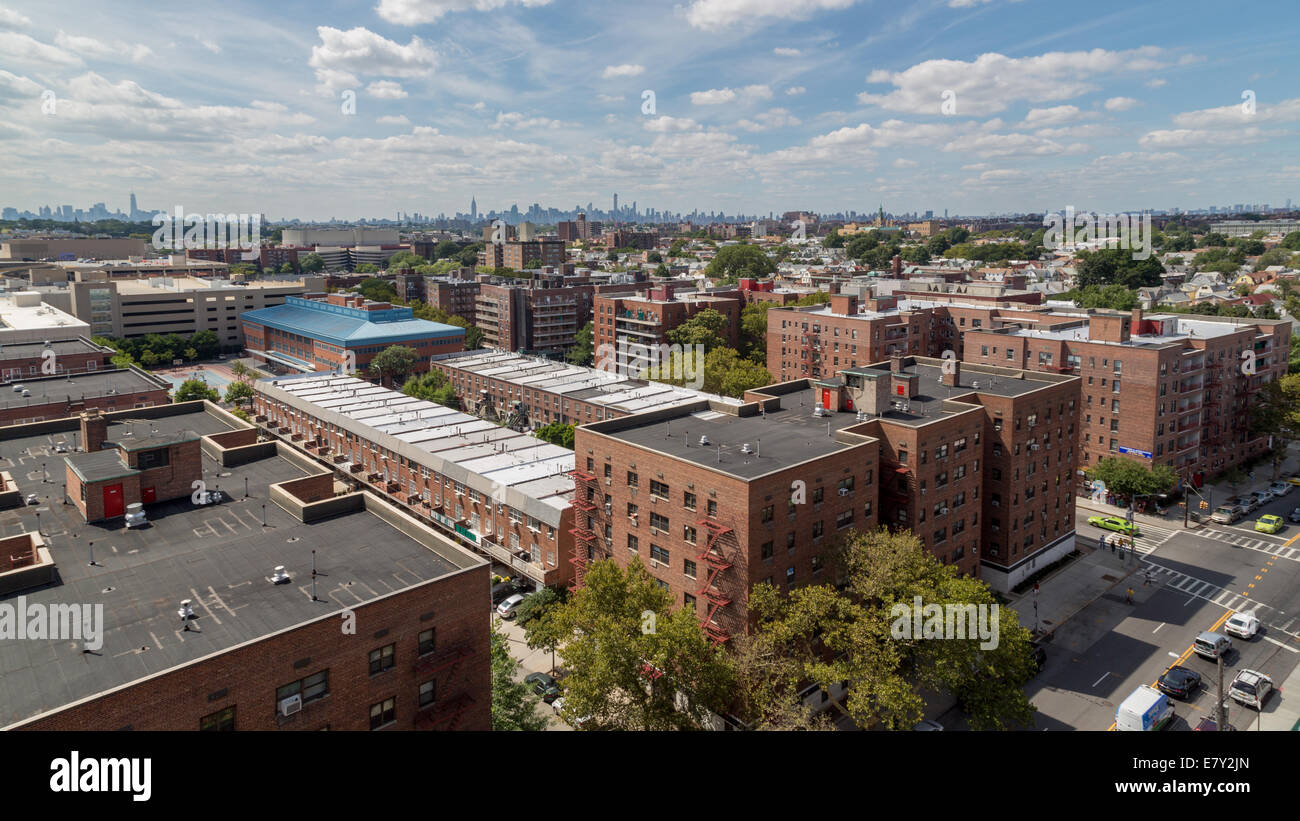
(620, 238)
(1162, 388)
(647, 318)
(978, 462)
(53, 357)
(541, 315)
(37, 399)
(518, 254)
(454, 295)
(579, 229)
(318, 332)
(231, 644)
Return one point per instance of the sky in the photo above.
(321, 110)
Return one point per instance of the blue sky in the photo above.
(759, 105)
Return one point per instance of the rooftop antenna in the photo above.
(313, 576)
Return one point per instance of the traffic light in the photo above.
(1205, 505)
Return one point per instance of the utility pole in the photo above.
(1221, 712)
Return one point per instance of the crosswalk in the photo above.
(1239, 539)
(1151, 537)
(1201, 589)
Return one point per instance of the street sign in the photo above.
(1145, 454)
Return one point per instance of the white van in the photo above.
(1145, 709)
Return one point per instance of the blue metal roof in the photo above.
(346, 331)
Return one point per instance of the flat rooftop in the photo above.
(125, 384)
(219, 555)
(61, 347)
(1183, 328)
(157, 285)
(494, 454)
(603, 388)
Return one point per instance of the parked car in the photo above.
(543, 685)
(928, 726)
(1226, 514)
(1292, 480)
(1116, 524)
(1279, 489)
(1247, 503)
(33, 499)
(1251, 688)
(60, 448)
(1179, 682)
(503, 591)
(1263, 497)
(510, 606)
(1269, 523)
(1294, 516)
(1211, 645)
(1244, 625)
(558, 707)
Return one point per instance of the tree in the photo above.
(534, 615)
(654, 256)
(583, 350)
(1114, 297)
(557, 434)
(753, 331)
(445, 249)
(241, 413)
(312, 263)
(634, 662)
(379, 290)
(432, 387)
(468, 256)
(1275, 412)
(192, 389)
(367, 268)
(1292, 241)
(241, 371)
(514, 707)
(854, 636)
(206, 344)
(286, 268)
(394, 363)
(238, 391)
(1129, 478)
(735, 261)
(834, 239)
(402, 259)
(725, 372)
(706, 328)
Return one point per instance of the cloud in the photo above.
(902, 163)
(992, 82)
(90, 47)
(12, 85)
(342, 56)
(1120, 103)
(609, 98)
(786, 52)
(1196, 137)
(795, 90)
(712, 15)
(1046, 117)
(515, 119)
(11, 19)
(415, 12)
(391, 119)
(996, 145)
(386, 90)
(768, 120)
(15, 46)
(624, 70)
(665, 125)
(1156, 82)
(717, 96)
(1229, 116)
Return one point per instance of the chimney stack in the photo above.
(952, 379)
(896, 363)
(94, 430)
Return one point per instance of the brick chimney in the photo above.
(896, 363)
(897, 265)
(94, 430)
(844, 305)
(952, 379)
(1136, 327)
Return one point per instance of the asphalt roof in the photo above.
(125, 384)
(220, 556)
(100, 465)
(20, 350)
(343, 329)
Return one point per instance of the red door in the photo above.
(149, 495)
(826, 398)
(113, 504)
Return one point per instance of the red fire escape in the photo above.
(708, 591)
(584, 538)
(447, 711)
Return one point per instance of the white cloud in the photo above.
(90, 47)
(992, 82)
(1120, 103)
(515, 119)
(16, 46)
(1196, 137)
(387, 90)
(787, 52)
(719, 14)
(624, 70)
(11, 19)
(664, 125)
(342, 56)
(415, 12)
(768, 120)
(398, 119)
(210, 45)
(996, 145)
(717, 96)
(1057, 115)
(1156, 82)
(795, 90)
(11, 85)
(609, 98)
(902, 163)
(1233, 115)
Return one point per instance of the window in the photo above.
(658, 554)
(766, 516)
(688, 501)
(315, 686)
(427, 693)
(658, 489)
(383, 713)
(223, 721)
(632, 479)
(632, 543)
(688, 568)
(766, 550)
(688, 533)
(846, 484)
(817, 529)
(427, 642)
(789, 575)
(658, 521)
(153, 459)
(818, 495)
(631, 509)
(844, 519)
(383, 659)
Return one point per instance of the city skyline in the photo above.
(415, 106)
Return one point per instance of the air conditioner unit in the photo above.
(844, 491)
(291, 705)
(654, 564)
(943, 511)
(608, 482)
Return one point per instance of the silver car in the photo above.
(510, 606)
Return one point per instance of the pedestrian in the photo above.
(1129, 597)
(1146, 579)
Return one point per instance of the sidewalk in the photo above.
(1075, 586)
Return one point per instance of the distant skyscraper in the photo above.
(133, 208)
(473, 208)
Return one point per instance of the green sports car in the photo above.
(1114, 523)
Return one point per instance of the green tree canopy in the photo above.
(192, 389)
(707, 328)
(312, 263)
(583, 350)
(394, 363)
(1115, 297)
(514, 707)
(557, 434)
(1129, 478)
(380, 290)
(238, 392)
(432, 387)
(736, 261)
